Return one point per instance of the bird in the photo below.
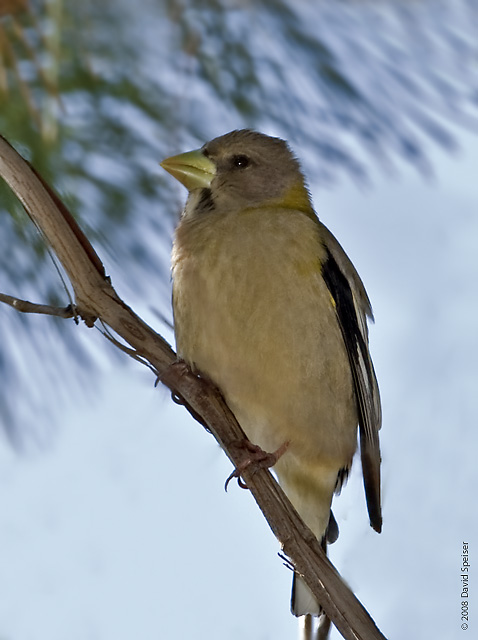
(268, 306)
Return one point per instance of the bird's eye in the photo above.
(240, 161)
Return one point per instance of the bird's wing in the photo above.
(353, 307)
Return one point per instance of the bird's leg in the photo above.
(253, 456)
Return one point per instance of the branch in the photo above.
(31, 307)
(95, 298)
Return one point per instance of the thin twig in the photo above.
(132, 353)
(32, 307)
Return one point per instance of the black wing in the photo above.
(352, 307)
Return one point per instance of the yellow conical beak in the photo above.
(192, 169)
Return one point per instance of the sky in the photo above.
(117, 525)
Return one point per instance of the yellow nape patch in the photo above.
(296, 198)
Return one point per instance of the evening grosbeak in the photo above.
(268, 306)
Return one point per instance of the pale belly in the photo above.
(263, 328)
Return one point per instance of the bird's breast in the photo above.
(254, 314)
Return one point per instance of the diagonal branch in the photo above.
(95, 298)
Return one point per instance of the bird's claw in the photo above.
(256, 457)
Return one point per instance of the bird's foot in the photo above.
(256, 457)
(174, 371)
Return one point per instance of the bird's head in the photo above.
(242, 170)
